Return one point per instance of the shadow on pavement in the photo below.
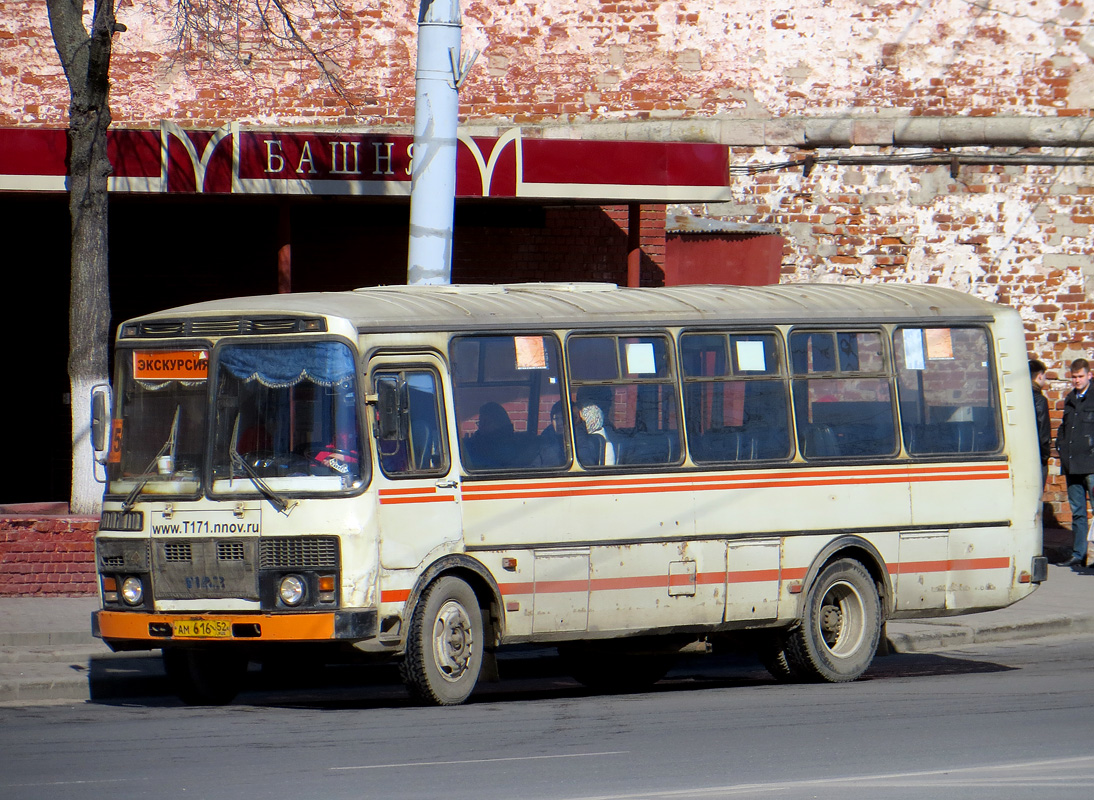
(139, 680)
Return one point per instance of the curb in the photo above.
(942, 635)
(49, 639)
(81, 676)
(31, 690)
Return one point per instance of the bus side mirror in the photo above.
(100, 421)
(391, 409)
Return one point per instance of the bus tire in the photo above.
(840, 626)
(202, 677)
(773, 656)
(444, 646)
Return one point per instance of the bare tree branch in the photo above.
(237, 30)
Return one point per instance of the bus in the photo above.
(431, 474)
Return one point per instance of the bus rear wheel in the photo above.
(840, 627)
(204, 677)
(772, 655)
(445, 644)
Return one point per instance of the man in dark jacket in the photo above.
(1075, 442)
(1037, 370)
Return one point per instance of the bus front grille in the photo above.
(299, 552)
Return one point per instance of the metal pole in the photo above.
(433, 168)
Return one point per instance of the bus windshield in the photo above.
(286, 419)
(159, 424)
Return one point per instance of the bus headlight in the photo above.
(132, 591)
(292, 590)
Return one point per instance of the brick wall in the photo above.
(580, 61)
(1014, 235)
(47, 556)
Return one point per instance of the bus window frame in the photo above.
(121, 354)
(673, 379)
(401, 367)
(781, 376)
(364, 455)
(887, 371)
(993, 380)
(457, 453)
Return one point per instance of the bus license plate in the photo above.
(203, 629)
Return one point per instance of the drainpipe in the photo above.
(437, 81)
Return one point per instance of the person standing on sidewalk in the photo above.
(1037, 370)
(1075, 442)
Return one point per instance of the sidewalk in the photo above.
(47, 651)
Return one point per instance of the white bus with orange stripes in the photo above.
(433, 473)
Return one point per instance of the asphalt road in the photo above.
(990, 721)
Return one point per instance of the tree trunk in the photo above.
(85, 57)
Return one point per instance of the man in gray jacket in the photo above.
(1075, 443)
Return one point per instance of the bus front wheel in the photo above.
(445, 644)
(840, 627)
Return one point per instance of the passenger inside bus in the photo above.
(494, 444)
(552, 441)
(596, 427)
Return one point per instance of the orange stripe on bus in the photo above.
(391, 501)
(821, 474)
(394, 595)
(949, 565)
(513, 491)
(752, 576)
(410, 490)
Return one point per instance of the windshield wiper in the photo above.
(236, 460)
(152, 470)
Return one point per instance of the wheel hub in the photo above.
(831, 623)
(453, 641)
(841, 619)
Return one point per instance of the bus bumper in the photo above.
(128, 630)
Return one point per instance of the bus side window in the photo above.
(623, 392)
(508, 395)
(842, 394)
(944, 386)
(735, 397)
(418, 445)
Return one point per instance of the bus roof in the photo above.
(563, 305)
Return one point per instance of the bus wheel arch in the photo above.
(841, 616)
(857, 549)
(453, 625)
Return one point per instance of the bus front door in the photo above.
(417, 485)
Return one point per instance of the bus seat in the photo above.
(719, 444)
(590, 449)
(728, 444)
(644, 448)
(819, 442)
(770, 442)
(964, 434)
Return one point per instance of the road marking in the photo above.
(88, 782)
(481, 760)
(936, 778)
